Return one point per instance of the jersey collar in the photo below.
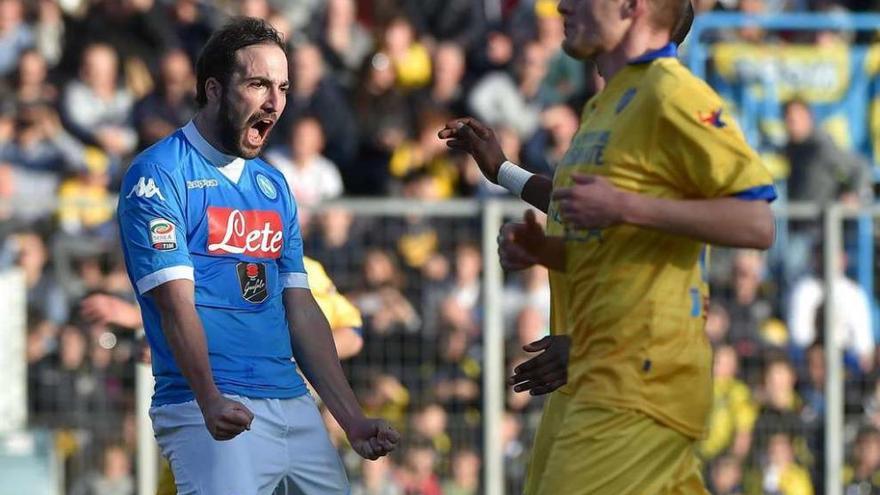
(215, 156)
(669, 50)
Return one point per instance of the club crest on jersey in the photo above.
(162, 236)
(625, 99)
(267, 187)
(145, 188)
(255, 233)
(712, 118)
(252, 281)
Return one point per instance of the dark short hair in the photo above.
(218, 55)
(683, 27)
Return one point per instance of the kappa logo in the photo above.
(145, 188)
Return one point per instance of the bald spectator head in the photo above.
(11, 15)
(177, 75)
(99, 67)
(307, 68)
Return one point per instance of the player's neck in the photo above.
(207, 127)
(635, 44)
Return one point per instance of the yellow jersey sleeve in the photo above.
(702, 150)
(338, 310)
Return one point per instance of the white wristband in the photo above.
(513, 178)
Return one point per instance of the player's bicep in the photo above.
(152, 229)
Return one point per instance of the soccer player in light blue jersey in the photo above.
(213, 247)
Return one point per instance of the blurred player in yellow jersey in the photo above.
(345, 322)
(656, 172)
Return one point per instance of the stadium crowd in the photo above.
(84, 85)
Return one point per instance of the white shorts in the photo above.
(287, 451)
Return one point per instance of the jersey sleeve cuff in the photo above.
(157, 278)
(295, 280)
(766, 193)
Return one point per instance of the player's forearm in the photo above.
(186, 337)
(315, 354)
(727, 222)
(537, 192)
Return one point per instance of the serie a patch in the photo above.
(162, 235)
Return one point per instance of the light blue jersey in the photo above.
(188, 211)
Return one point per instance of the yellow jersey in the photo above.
(633, 298)
(340, 312)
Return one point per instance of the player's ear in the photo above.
(630, 8)
(213, 89)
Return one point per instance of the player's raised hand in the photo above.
(520, 244)
(545, 372)
(471, 136)
(226, 418)
(372, 438)
(592, 203)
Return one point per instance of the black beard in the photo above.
(230, 135)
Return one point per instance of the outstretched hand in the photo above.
(471, 136)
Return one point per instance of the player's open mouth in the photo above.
(257, 132)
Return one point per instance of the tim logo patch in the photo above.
(162, 236)
(252, 280)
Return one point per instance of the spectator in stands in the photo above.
(377, 478)
(821, 172)
(853, 309)
(344, 41)
(733, 411)
(459, 21)
(31, 85)
(115, 479)
(749, 311)
(528, 290)
(565, 75)
(49, 31)
(500, 99)
(96, 108)
(429, 422)
(191, 22)
(558, 126)
(446, 91)
(781, 474)
(419, 474)
(42, 337)
(16, 36)
(338, 245)
(465, 478)
(43, 292)
(428, 155)
(85, 206)
(780, 407)
(410, 59)
(41, 144)
(812, 387)
(172, 104)
(310, 175)
(381, 301)
(726, 476)
(456, 378)
(862, 475)
(136, 29)
(315, 94)
(384, 120)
